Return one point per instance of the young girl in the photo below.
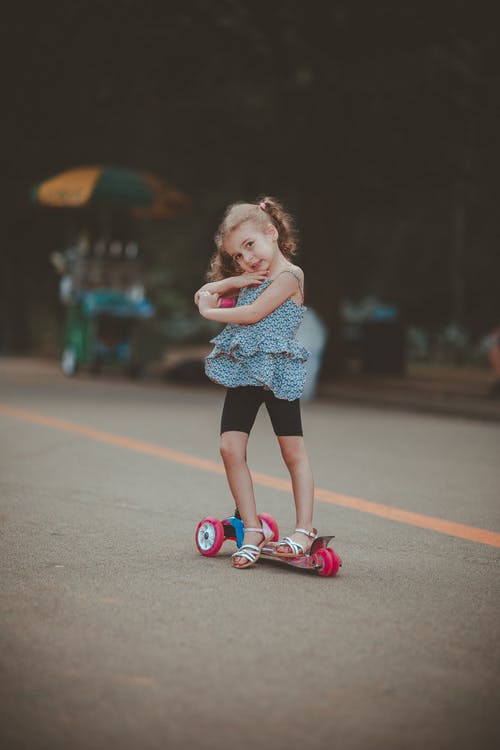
(257, 358)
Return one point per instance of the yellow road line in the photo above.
(441, 525)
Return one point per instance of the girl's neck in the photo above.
(279, 263)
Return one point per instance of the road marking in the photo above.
(440, 525)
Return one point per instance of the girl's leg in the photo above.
(233, 448)
(294, 454)
(287, 423)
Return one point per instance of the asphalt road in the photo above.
(115, 632)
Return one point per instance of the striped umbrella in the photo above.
(112, 187)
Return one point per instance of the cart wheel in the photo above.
(69, 362)
(209, 536)
(272, 525)
(336, 561)
(323, 562)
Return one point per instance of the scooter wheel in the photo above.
(209, 536)
(272, 525)
(323, 562)
(336, 561)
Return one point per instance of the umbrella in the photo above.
(112, 187)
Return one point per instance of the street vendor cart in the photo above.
(104, 302)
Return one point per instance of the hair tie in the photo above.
(262, 205)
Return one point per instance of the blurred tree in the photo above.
(374, 122)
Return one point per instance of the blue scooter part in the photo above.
(239, 529)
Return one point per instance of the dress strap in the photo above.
(294, 273)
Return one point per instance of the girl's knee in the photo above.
(231, 448)
(293, 453)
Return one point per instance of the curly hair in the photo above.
(266, 210)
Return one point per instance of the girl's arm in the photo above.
(215, 287)
(283, 287)
(231, 284)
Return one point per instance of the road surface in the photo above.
(115, 632)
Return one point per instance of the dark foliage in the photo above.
(375, 122)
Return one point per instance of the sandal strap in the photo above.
(248, 551)
(265, 530)
(311, 534)
(296, 547)
(247, 556)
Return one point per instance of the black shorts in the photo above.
(242, 404)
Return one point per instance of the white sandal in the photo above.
(296, 547)
(251, 552)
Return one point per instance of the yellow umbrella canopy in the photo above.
(144, 193)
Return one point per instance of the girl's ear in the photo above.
(272, 231)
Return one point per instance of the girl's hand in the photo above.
(231, 284)
(198, 292)
(250, 278)
(206, 300)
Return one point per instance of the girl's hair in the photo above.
(262, 213)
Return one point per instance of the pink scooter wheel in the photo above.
(336, 561)
(209, 536)
(272, 525)
(324, 562)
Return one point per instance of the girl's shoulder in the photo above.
(297, 272)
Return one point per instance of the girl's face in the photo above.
(253, 248)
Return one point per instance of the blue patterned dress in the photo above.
(262, 354)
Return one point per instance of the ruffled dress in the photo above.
(263, 354)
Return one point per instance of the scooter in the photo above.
(211, 533)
